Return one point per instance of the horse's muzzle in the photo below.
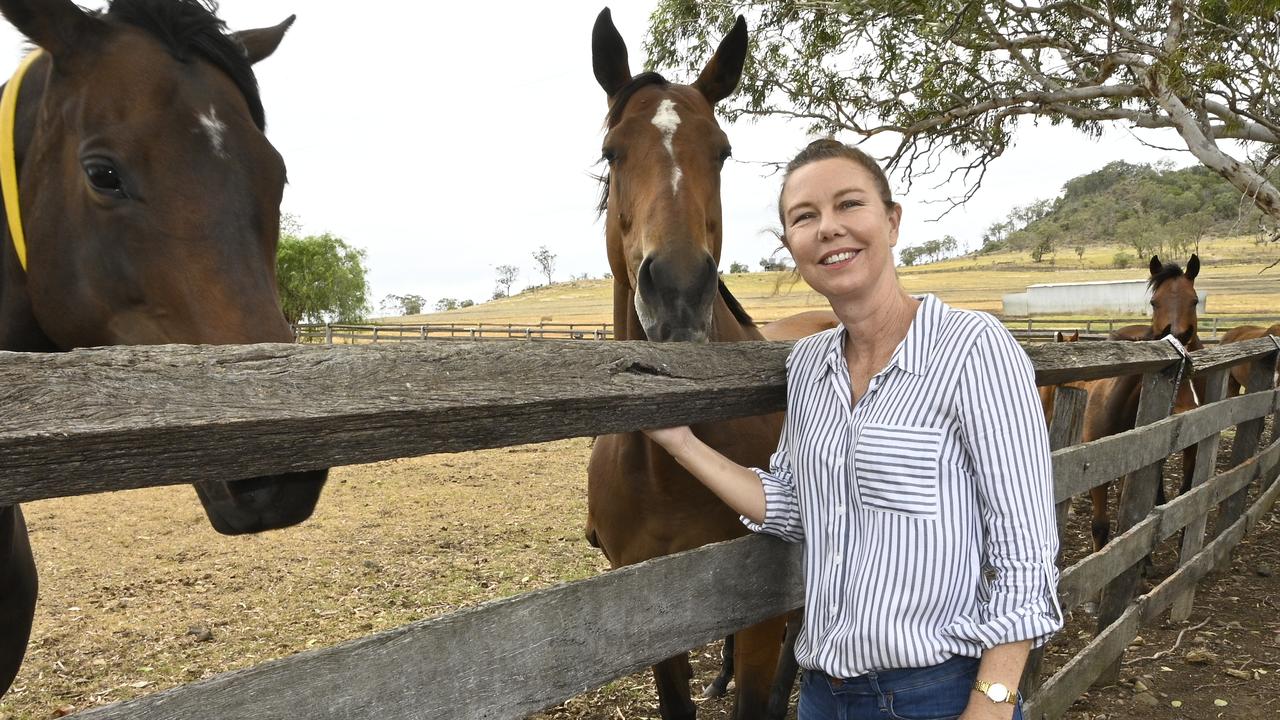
(263, 503)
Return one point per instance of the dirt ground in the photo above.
(139, 594)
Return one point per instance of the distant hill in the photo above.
(1149, 209)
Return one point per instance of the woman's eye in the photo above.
(801, 218)
(849, 204)
(104, 177)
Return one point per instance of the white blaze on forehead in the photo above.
(667, 120)
(214, 128)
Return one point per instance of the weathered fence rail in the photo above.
(110, 419)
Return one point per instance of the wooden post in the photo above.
(1206, 461)
(328, 334)
(1028, 324)
(422, 331)
(1245, 444)
(1065, 430)
(375, 334)
(1215, 328)
(1137, 498)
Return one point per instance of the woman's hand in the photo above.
(671, 439)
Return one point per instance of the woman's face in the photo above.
(838, 229)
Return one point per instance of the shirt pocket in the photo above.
(896, 469)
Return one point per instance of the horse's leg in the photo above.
(784, 681)
(672, 677)
(1101, 526)
(755, 662)
(17, 592)
(1188, 469)
(720, 685)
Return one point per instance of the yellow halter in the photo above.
(9, 157)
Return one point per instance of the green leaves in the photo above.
(322, 279)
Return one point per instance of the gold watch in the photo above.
(997, 692)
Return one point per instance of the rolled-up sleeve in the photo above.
(781, 502)
(1005, 438)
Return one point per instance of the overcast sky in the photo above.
(448, 138)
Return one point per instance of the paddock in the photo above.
(312, 442)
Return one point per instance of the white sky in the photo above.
(448, 138)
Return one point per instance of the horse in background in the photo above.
(149, 202)
(1049, 392)
(1112, 406)
(661, 202)
(1240, 373)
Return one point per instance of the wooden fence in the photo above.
(111, 419)
(1026, 329)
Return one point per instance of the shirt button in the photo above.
(840, 508)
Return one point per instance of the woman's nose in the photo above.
(828, 227)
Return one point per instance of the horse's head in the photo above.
(1060, 337)
(662, 197)
(1173, 299)
(150, 200)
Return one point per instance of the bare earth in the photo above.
(139, 594)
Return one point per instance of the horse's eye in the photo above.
(609, 155)
(104, 177)
(725, 154)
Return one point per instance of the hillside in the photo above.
(1230, 276)
(1142, 208)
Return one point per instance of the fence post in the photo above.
(1244, 445)
(1065, 430)
(328, 334)
(1137, 498)
(1206, 461)
(422, 331)
(1111, 326)
(375, 334)
(1028, 324)
(1215, 328)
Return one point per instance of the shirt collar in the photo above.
(911, 355)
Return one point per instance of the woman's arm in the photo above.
(1001, 664)
(740, 488)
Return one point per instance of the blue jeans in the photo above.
(940, 692)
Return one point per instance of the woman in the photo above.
(913, 465)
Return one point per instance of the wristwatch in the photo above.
(996, 692)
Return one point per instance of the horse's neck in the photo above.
(725, 327)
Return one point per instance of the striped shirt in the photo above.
(926, 508)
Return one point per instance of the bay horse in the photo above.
(661, 202)
(147, 212)
(1112, 406)
(1049, 392)
(1240, 373)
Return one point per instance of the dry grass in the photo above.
(1230, 276)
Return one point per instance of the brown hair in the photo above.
(826, 149)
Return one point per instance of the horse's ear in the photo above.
(259, 43)
(1155, 264)
(60, 27)
(1058, 336)
(721, 75)
(1193, 267)
(609, 55)
(1075, 336)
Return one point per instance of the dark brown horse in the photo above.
(1240, 373)
(150, 204)
(1112, 407)
(663, 229)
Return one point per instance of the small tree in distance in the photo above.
(546, 262)
(506, 277)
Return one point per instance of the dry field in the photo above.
(1231, 275)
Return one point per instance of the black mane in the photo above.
(1168, 272)
(620, 99)
(190, 28)
(735, 307)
